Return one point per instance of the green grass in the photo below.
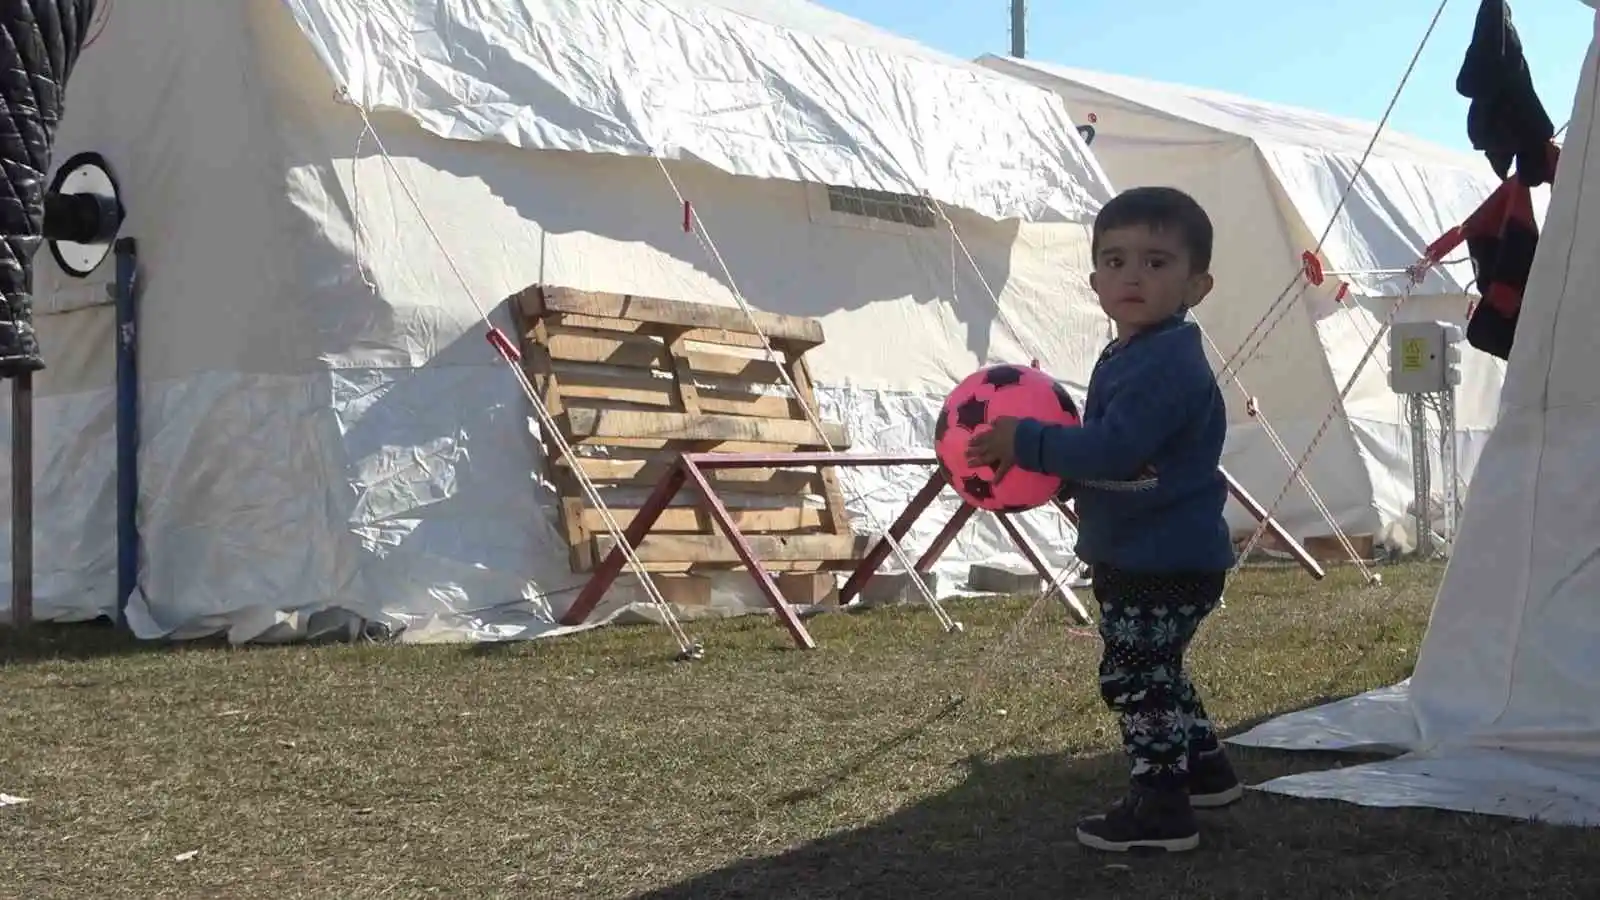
(894, 761)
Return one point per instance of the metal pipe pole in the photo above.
(127, 310)
(1019, 28)
(22, 500)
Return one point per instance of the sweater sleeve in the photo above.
(1151, 404)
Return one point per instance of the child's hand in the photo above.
(995, 448)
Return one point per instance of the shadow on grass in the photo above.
(1007, 830)
(82, 641)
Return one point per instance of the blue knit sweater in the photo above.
(1145, 461)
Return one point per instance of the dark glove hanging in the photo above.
(44, 38)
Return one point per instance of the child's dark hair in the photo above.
(1159, 208)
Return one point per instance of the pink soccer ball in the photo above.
(982, 397)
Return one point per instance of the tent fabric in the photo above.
(1271, 177)
(761, 88)
(1499, 715)
(324, 431)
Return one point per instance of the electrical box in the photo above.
(1424, 357)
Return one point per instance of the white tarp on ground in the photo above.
(1501, 714)
(323, 425)
(1271, 177)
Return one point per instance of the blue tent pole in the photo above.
(127, 306)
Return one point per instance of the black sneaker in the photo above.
(1212, 782)
(1145, 820)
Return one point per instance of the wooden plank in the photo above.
(599, 425)
(679, 567)
(659, 450)
(713, 337)
(605, 386)
(537, 302)
(715, 394)
(833, 493)
(760, 406)
(674, 446)
(607, 348)
(594, 397)
(644, 473)
(540, 367)
(683, 377)
(750, 521)
(714, 549)
(636, 351)
(592, 384)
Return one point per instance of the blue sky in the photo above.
(1343, 57)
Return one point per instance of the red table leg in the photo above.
(1300, 554)
(719, 513)
(941, 543)
(1052, 585)
(897, 530)
(610, 567)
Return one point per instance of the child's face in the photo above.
(1143, 277)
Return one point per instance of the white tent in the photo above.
(1271, 178)
(1500, 715)
(323, 424)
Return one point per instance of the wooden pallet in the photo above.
(632, 382)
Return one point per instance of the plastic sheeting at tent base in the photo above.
(1489, 779)
(1502, 713)
(436, 527)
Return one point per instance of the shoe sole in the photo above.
(1171, 845)
(1218, 800)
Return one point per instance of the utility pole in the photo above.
(1019, 28)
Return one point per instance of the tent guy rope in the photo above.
(1247, 349)
(1272, 435)
(1338, 409)
(695, 224)
(688, 648)
(1278, 311)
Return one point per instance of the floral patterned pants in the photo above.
(1147, 622)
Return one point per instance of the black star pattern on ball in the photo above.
(977, 488)
(1003, 377)
(1017, 508)
(940, 425)
(971, 413)
(1065, 399)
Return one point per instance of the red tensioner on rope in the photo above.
(502, 344)
(1311, 265)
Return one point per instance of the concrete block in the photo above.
(896, 588)
(996, 579)
(808, 588)
(685, 592)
